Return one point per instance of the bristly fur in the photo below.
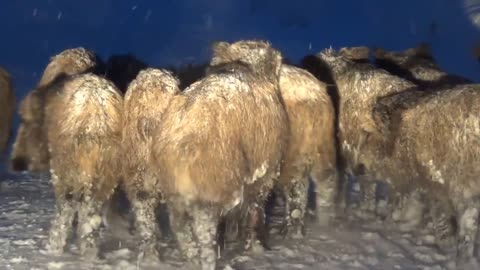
(83, 123)
(30, 148)
(310, 151)
(430, 144)
(360, 54)
(220, 145)
(147, 97)
(417, 65)
(7, 108)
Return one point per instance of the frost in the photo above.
(347, 246)
(18, 260)
(55, 265)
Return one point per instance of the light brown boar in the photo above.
(358, 54)
(83, 122)
(30, 147)
(7, 108)
(418, 66)
(220, 145)
(414, 139)
(146, 99)
(311, 149)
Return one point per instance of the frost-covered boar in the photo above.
(220, 144)
(146, 99)
(311, 150)
(83, 121)
(359, 54)
(7, 108)
(414, 139)
(30, 148)
(417, 65)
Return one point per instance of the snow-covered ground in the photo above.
(27, 205)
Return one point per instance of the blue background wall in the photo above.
(173, 32)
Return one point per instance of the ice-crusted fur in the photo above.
(30, 147)
(220, 144)
(83, 121)
(7, 108)
(146, 99)
(311, 148)
(417, 65)
(359, 85)
(359, 54)
(421, 140)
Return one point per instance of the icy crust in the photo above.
(27, 207)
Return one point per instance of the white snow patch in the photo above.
(55, 265)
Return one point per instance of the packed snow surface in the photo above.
(27, 206)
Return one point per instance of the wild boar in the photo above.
(414, 139)
(220, 145)
(311, 150)
(359, 54)
(418, 66)
(83, 122)
(146, 99)
(30, 148)
(7, 109)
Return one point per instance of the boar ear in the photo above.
(379, 53)
(277, 57)
(424, 49)
(421, 50)
(220, 47)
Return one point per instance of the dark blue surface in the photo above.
(174, 32)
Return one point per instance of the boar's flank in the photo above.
(220, 145)
(83, 127)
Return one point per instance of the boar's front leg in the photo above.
(467, 219)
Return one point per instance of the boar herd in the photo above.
(213, 149)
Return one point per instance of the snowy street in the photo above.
(27, 206)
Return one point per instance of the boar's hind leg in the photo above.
(443, 227)
(89, 220)
(368, 189)
(182, 227)
(467, 231)
(61, 224)
(295, 207)
(144, 205)
(256, 227)
(204, 225)
(326, 190)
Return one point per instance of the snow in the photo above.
(27, 206)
